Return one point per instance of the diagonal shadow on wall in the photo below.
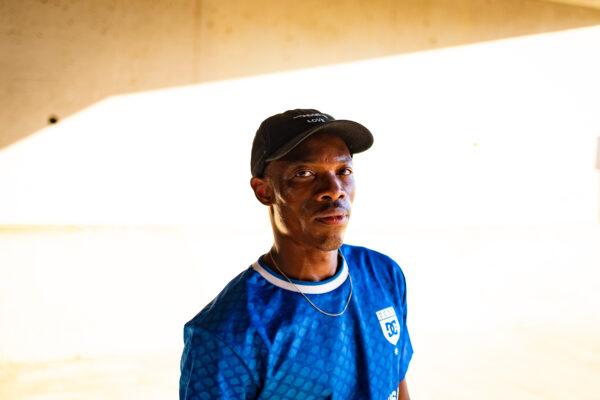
(60, 57)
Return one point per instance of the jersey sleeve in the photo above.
(212, 370)
(405, 346)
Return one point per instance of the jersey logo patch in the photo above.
(389, 324)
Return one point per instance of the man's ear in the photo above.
(262, 190)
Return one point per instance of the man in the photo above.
(312, 318)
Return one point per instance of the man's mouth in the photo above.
(333, 217)
(333, 220)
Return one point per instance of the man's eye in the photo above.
(346, 171)
(304, 174)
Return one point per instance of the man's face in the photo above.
(312, 189)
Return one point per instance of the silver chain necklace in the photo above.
(306, 297)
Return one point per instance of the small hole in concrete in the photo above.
(52, 119)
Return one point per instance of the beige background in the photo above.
(482, 184)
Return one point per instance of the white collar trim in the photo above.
(314, 288)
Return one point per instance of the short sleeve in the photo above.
(212, 370)
(406, 349)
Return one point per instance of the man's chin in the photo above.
(331, 243)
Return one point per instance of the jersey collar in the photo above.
(305, 287)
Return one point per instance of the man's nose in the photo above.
(330, 188)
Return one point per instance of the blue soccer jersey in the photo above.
(261, 339)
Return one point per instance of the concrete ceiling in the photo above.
(579, 3)
(62, 59)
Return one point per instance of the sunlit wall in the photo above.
(501, 132)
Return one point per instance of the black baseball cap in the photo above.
(280, 133)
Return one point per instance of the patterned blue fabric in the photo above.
(256, 340)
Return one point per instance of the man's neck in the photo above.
(301, 263)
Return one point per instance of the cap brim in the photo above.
(356, 136)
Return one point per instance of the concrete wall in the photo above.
(59, 57)
(500, 137)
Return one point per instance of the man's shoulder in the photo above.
(227, 308)
(371, 263)
(366, 255)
